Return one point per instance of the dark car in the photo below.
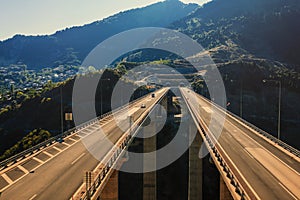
(60, 140)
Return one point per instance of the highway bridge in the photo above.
(57, 171)
(252, 164)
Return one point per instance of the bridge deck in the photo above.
(60, 176)
(270, 173)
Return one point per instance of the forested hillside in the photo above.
(264, 28)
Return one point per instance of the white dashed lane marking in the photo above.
(77, 159)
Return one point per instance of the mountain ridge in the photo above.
(71, 45)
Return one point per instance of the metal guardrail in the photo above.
(18, 157)
(102, 175)
(287, 147)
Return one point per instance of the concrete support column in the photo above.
(224, 192)
(149, 179)
(111, 190)
(195, 165)
(164, 104)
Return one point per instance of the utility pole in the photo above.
(279, 105)
(61, 111)
(241, 99)
(241, 95)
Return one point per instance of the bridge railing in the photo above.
(24, 154)
(287, 147)
(217, 153)
(109, 164)
(111, 158)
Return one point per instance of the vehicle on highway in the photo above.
(60, 140)
(143, 106)
(152, 95)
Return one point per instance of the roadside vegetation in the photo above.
(31, 139)
(40, 110)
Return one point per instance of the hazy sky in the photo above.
(32, 17)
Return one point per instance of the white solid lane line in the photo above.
(77, 159)
(248, 153)
(287, 191)
(33, 197)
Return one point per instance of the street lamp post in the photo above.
(279, 105)
(101, 97)
(61, 111)
(241, 100)
(241, 96)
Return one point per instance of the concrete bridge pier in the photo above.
(195, 165)
(110, 191)
(111, 188)
(164, 103)
(150, 145)
(149, 178)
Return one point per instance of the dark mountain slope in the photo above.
(70, 46)
(264, 28)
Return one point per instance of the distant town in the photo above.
(19, 78)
